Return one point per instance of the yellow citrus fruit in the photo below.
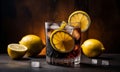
(63, 24)
(92, 48)
(33, 43)
(80, 17)
(62, 41)
(43, 52)
(16, 51)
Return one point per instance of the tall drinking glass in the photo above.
(63, 43)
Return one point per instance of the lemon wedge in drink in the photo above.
(63, 24)
(80, 17)
(16, 51)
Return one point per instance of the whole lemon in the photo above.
(33, 43)
(92, 48)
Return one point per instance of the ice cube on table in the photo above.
(35, 64)
(105, 62)
(94, 61)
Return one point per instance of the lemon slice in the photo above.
(16, 51)
(62, 41)
(81, 17)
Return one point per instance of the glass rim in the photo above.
(49, 23)
(59, 22)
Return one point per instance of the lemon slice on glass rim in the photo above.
(62, 41)
(81, 17)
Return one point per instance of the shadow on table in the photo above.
(22, 59)
(104, 67)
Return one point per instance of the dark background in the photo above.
(22, 17)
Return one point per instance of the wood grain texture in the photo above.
(21, 17)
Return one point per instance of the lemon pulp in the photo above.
(81, 17)
(62, 41)
(16, 51)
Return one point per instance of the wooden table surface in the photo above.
(106, 63)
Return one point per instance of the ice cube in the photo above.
(69, 29)
(105, 62)
(54, 26)
(76, 34)
(35, 64)
(94, 61)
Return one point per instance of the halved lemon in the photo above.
(16, 51)
(62, 41)
(80, 17)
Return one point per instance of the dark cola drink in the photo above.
(59, 56)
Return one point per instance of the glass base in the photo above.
(64, 62)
